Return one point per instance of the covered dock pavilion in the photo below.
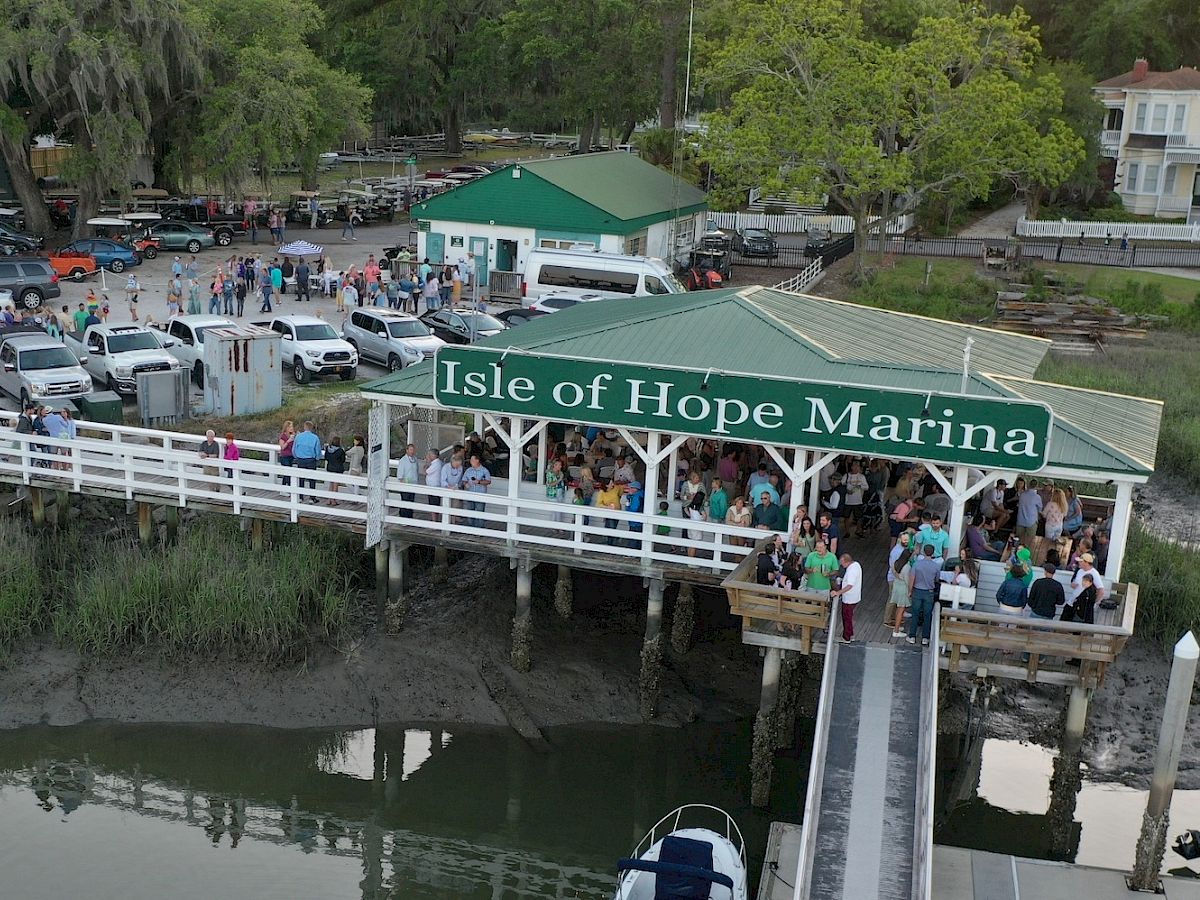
(804, 378)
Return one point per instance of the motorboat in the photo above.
(683, 858)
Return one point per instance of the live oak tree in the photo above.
(821, 106)
(90, 71)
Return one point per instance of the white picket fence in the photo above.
(798, 224)
(1135, 231)
(804, 279)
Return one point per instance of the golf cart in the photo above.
(139, 234)
(298, 212)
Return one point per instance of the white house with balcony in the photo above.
(1152, 131)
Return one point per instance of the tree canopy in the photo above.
(822, 106)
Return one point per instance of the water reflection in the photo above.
(1032, 801)
(388, 812)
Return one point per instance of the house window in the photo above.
(1169, 181)
(566, 245)
(636, 245)
(1178, 125)
(1131, 179)
(1158, 121)
(1150, 179)
(1139, 118)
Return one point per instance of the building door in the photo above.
(435, 248)
(479, 246)
(506, 256)
(1196, 188)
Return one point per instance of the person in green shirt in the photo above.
(820, 565)
(80, 318)
(718, 502)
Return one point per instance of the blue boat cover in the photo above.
(683, 870)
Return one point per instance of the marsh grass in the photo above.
(208, 594)
(1168, 579)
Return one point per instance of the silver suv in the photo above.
(31, 279)
(390, 337)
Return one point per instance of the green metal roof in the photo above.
(619, 183)
(762, 331)
(605, 193)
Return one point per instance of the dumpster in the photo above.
(102, 406)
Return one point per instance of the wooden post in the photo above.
(1152, 842)
(523, 618)
(564, 592)
(62, 508)
(1119, 534)
(145, 522)
(762, 761)
(381, 573)
(256, 535)
(37, 506)
(172, 516)
(652, 653)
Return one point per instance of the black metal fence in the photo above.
(1066, 251)
(796, 257)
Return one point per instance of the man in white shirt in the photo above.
(1086, 567)
(408, 470)
(851, 593)
(623, 474)
(433, 476)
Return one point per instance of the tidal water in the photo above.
(105, 810)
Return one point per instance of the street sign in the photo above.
(988, 432)
(422, 225)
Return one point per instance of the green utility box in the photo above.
(102, 406)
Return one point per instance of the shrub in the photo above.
(1168, 579)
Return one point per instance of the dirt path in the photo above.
(1001, 223)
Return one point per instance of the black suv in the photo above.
(756, 242)
(31, 279)
(20, 240)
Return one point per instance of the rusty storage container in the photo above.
(243, 370)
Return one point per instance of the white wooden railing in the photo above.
(1141, 231)
(1110, 137)
(798, 224)
(804, 279)
(145, 464)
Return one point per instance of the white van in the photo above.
(591, 272)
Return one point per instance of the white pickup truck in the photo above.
(311, 346)
(114, 355)
(187, 333)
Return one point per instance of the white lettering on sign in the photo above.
(636, 397)
(851, 412)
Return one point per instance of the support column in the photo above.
(683, 620)
(958, 504)
(790, 679)
(381, 578)
(649, 679)
(1077, 710)
(523, 619)
(145, 523)
(1152, 842)
(1066, 778)
(814, 493)
(441, 563)
(172, 516)
(62, 509)
(397, 606)
(1118, 536)
(762, 760)
(256, 535)
(37, 506)
(564, 592)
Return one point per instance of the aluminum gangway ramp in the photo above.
(868, 817)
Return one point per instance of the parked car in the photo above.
(756, 242)
(34, 366)
(112, 255)
(514, 317)
(461, 326)
(549, 303)
(22, 240)
(173, 234)
(310, 346)
(114, 355)
(31, 279)
(819, 237)
(76, 266)
(390, 337)
(222, 226)
(188, 335)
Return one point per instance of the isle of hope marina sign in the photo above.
(988, 432)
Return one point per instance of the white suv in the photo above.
(311, 347)
(390, 337)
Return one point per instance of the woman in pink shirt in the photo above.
(231, 453)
